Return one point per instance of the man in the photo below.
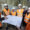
(13, 12)
(26, 17)
(24, 7)
(6, 10)
(0, 20)
(28, 26)
(5, 13)
(25, 10)
(20, 10)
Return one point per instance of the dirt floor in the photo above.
(11, 28)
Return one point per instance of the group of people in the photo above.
(20, 12)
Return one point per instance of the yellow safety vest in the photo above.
(13, 13)
(28, 26)
(26, 18)
(20, 12)
(6, 12)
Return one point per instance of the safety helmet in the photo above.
(24, 7)
(13, 7)
(5, 4)
(29, 8)
(19, 4)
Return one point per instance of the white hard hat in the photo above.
(5, 4)
(24, 7)
(13, 7)
(19, 5)
(29, 8)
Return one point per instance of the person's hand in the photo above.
(7, 13)
(5, 17)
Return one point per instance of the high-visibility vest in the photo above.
(6, 12)
(26, 18)
(28, 26)
(20, 12)
(13, 13)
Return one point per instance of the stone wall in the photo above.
(14, 2)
